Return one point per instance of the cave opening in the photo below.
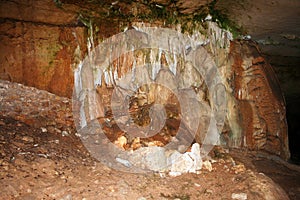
(285, 63)
(293, 116)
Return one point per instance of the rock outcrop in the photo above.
(42, 45)
(260, 103)
(38, 45)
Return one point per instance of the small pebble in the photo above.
(27, 139)
(44, 130)
(174, 174)
(6, 168)
(68, 197)
(207, 165)
(208, 191)
(64, 133)
(78, 134)
(197, 185)
(239, 196)
(162, 175)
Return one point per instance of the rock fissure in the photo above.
(41, 23)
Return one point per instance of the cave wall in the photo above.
(38, 45)
(41, 46)
(260, 100)
(274, 24)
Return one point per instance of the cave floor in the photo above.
(41, 157)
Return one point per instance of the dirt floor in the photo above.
(42, 157)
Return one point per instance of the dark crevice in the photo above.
(77, 24)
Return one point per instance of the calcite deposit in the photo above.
(44, 46)
(226, 92)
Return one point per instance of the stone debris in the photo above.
(189, 162)
(64, 133)
(159, 160)
(239, 196)
(67, 197)
(149, 158)
(51, 166)
(121, 142)
(19, 102)
(197, 185)
(239, 168)
(28, 139)
(208, 191)
(207, 165)
(44, 130)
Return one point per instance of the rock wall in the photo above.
(41, 45)
(38, 44)
(260, 103)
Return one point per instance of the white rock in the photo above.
(195, 155)
(239, 196)
(64, 133)
(208, 18)
(68, 197)
(189, 162)
(207, 165)
(197, 185)
(44, 130)
(181, 163)
(77, 134)
(162, 174)
(152, 158)
(247, 37)
(159, 160)
(174, 174)
(124, 162)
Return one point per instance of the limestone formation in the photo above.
(260, 103)
(225, 77)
